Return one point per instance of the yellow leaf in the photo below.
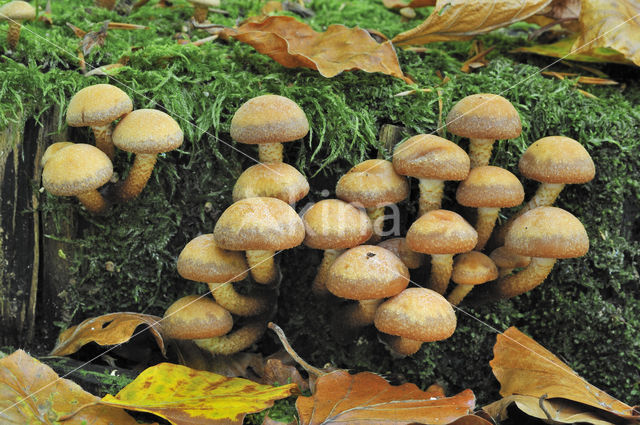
(186, 396)
(564, 48)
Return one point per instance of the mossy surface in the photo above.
(587, 311)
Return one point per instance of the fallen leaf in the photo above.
(109, 329)
(399, 4)
(523, 367)
(367, 398)
(564, 9)
(564, 49)
(32, 393)
(293, 44)
(185, 396)
(463, 19)
(476, 58)
(277, 373)
(125, 26)
(580, 79)
(77, 31)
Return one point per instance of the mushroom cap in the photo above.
(557, 159)
(259, 224)
(399, 247)
(490, 187)
(484, 116)
(196, 317)
(506, 259)
(98, 105)
(147, 131)
(441, 232)
(76, 169)
(274, 180)
(473, 268)
(334, 224)
(417, 313)
(372, 183)
(269, 119)
(426, 156)
(52, 150)
(367, 272)
(547, 232)
(17, 10)
(202, 260)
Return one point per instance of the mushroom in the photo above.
(272, 180)
(201, 8)
(195, 317)
(52, 150)
(489, 188)
(201, 260)
(145, 132)
(544, 234)
(432, 160)
(483, 118)
(237, 340)
(441, 234)
(507, 260)
(15, 12)
(97, 107)
(373, 184)
(414, 316)
(268, 121)
(333, 226)
(470, 269)
(259, 226)
(411, 259)
(78, 170)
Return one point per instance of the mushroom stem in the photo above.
(525, 280)
(234, 341)
(262, 266)
(242, 305)
(270, 152)
(93, 201)
(102, 134)
(480, 151)
(14, 33)
(319, 286)
(430, 195)
(138, 176)
(361, 313)
(441, 268)
(200, 13)
(484, 225)
(458, 293)
(400, 345)
(376, 215)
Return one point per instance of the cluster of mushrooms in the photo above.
(357, 266)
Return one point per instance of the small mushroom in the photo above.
(272, 180)
(145, 132)
(507, 260)
(15, 12)
(78, 170)
(201, 8)
(97, 107)
(470, 269)
(483, 118)
(196, 317)
(411, 259)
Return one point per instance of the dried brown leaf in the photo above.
(399, 4)
(277, 373)
(94, 38)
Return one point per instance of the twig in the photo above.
(285, 343)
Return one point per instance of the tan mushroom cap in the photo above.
(417, 313)
(195, 317)
(399, 247)
(473, 268)
(484, 116)
(269, 119)
(441, 232)
(98, 105)
(557, 159)
(201, 260)
(76, 169)
(334, 224)
(259, 224)
(147, 131)
(53, 149)
(367, 272)
(547, 232)
(490, 187)
(426, 156)
(372, 183)
(273, 180)
(506, 259)
(17, 10)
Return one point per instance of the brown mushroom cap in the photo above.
(147, 131)
(417, 313)
(473, 268)
(98, 105)
(547, 232)
(52, 150)
(426, 156)
(399, 247)
(269, 119)
(484, 116)
(506, 259)
(372, 183)
(273, 180)
(195, 317)
(367, 272)
(76, 169)
(441, 232)
(490, 187)
(334, 224)
(267, 224)
(17, 10)
(201, 260)
(557, 159)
